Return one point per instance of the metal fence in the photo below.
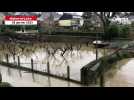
(40, 68)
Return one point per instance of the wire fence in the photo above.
(41, 68)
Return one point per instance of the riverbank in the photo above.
(42, 37)
(65, 38)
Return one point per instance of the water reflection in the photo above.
(59, 55)
(9, 72)
(20, 73)
(121, 74)
(49, 82)
(32, 79)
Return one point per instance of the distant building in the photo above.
(131, 18)
(70, 20)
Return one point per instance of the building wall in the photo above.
(65, 23)
(73, 22)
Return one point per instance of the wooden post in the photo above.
(33, 77)
(102, 82)
(68, 72)
(96, 46)
(19, 66)
(49, 81)
(14, 58)
(96, 51)
(18, 61)
(95, 81)
(0, 78)
(32, 64)
(48, 67)
(7, 58)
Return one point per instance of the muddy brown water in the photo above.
(59, 55)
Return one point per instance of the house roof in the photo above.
(131, 17)
(66, 16)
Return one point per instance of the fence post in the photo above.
(0, 78)
(48, 67)
(102, 81)
(18, 61)
(14, 58)
(7, 58)
(68, 72)
(32, 64)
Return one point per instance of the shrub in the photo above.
(132, 24)
(124, 31)
(112, 31)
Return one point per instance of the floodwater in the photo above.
(19, 78)
(59, 56)
(121, 74)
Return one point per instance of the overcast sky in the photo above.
(79, 13)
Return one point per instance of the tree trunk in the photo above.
(105, 28)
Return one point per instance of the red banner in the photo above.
(21, 18)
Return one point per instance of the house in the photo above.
(131, 18)
(70, 20)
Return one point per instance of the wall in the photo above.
(65, 23)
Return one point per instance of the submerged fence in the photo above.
(32, 68)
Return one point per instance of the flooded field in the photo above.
(19, 78)
(59, 56)
(121, 75)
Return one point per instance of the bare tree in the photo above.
(105, 18)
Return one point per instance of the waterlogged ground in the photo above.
(59, 55)
(121, 75)
(19, 78)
